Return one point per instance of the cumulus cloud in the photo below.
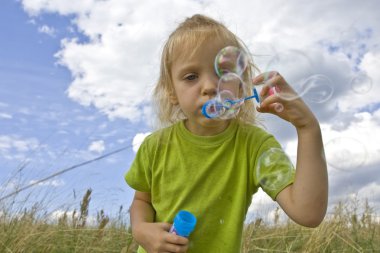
(53, 183)
(5, 115)
(115, 70)
(138, 139)
(35, 7)
(67, 215)
(115, 67)
(14, 147)
(47, 30)
(353, 156)
(97, 146)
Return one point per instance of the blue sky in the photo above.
(75, 84)
(43, 130)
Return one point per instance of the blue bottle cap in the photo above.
(184, 223)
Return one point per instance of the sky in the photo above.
(76, 79)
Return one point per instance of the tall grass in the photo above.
(345, 230)
(351, 227)
(35, 230)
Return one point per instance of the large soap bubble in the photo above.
(274, 170)
(231, 60)
(361, 83)
(346, 153)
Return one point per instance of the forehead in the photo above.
(204, 51)
(187, 43)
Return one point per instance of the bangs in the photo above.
(186, 44)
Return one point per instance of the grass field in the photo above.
(346, 229)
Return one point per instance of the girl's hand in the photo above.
(285, 102)
(155, 238)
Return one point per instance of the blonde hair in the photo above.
(189, 36)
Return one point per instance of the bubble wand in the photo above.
(214, 108)
(230, 64)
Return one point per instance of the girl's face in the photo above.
(195, 82)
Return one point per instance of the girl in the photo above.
(207, 166)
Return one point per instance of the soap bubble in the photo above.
(317, 89)
(274, 169)
(233, 84)
(345, 153)
(295, 65)
(361, 83)
(231, 60)
(213, 109)
(231, 90)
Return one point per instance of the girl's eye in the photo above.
(190, 77)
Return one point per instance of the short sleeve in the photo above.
(139, 174)
(273, 169)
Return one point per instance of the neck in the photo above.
(209, 130)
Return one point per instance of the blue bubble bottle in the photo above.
(184, 223)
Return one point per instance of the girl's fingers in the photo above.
(264, 77)
(270, 100)
(175, 243)
(274, 108)
(176, 239)
(175, 248)
(165, 226)
(264, 91)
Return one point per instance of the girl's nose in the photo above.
(210, 87)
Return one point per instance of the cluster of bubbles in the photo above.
(230, 64)
(274, 169)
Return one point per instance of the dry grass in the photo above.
(33, 230)
(345, 230)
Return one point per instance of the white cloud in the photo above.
(263, 207)
(97, 146)
(259, 199)
(138, 139)
(116, 68)
(362, 87)
(370, 191)
(355, 146)
(58, 214)
(5, 115)
(35, 7)
(53, 183)
(14, 147)
(47, 30)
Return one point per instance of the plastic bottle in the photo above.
(184, 223)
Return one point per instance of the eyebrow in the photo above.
(187, 67)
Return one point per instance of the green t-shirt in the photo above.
(213, 177)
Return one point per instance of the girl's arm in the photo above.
(305, 201)
(153, 237)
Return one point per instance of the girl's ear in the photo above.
(173, 98)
